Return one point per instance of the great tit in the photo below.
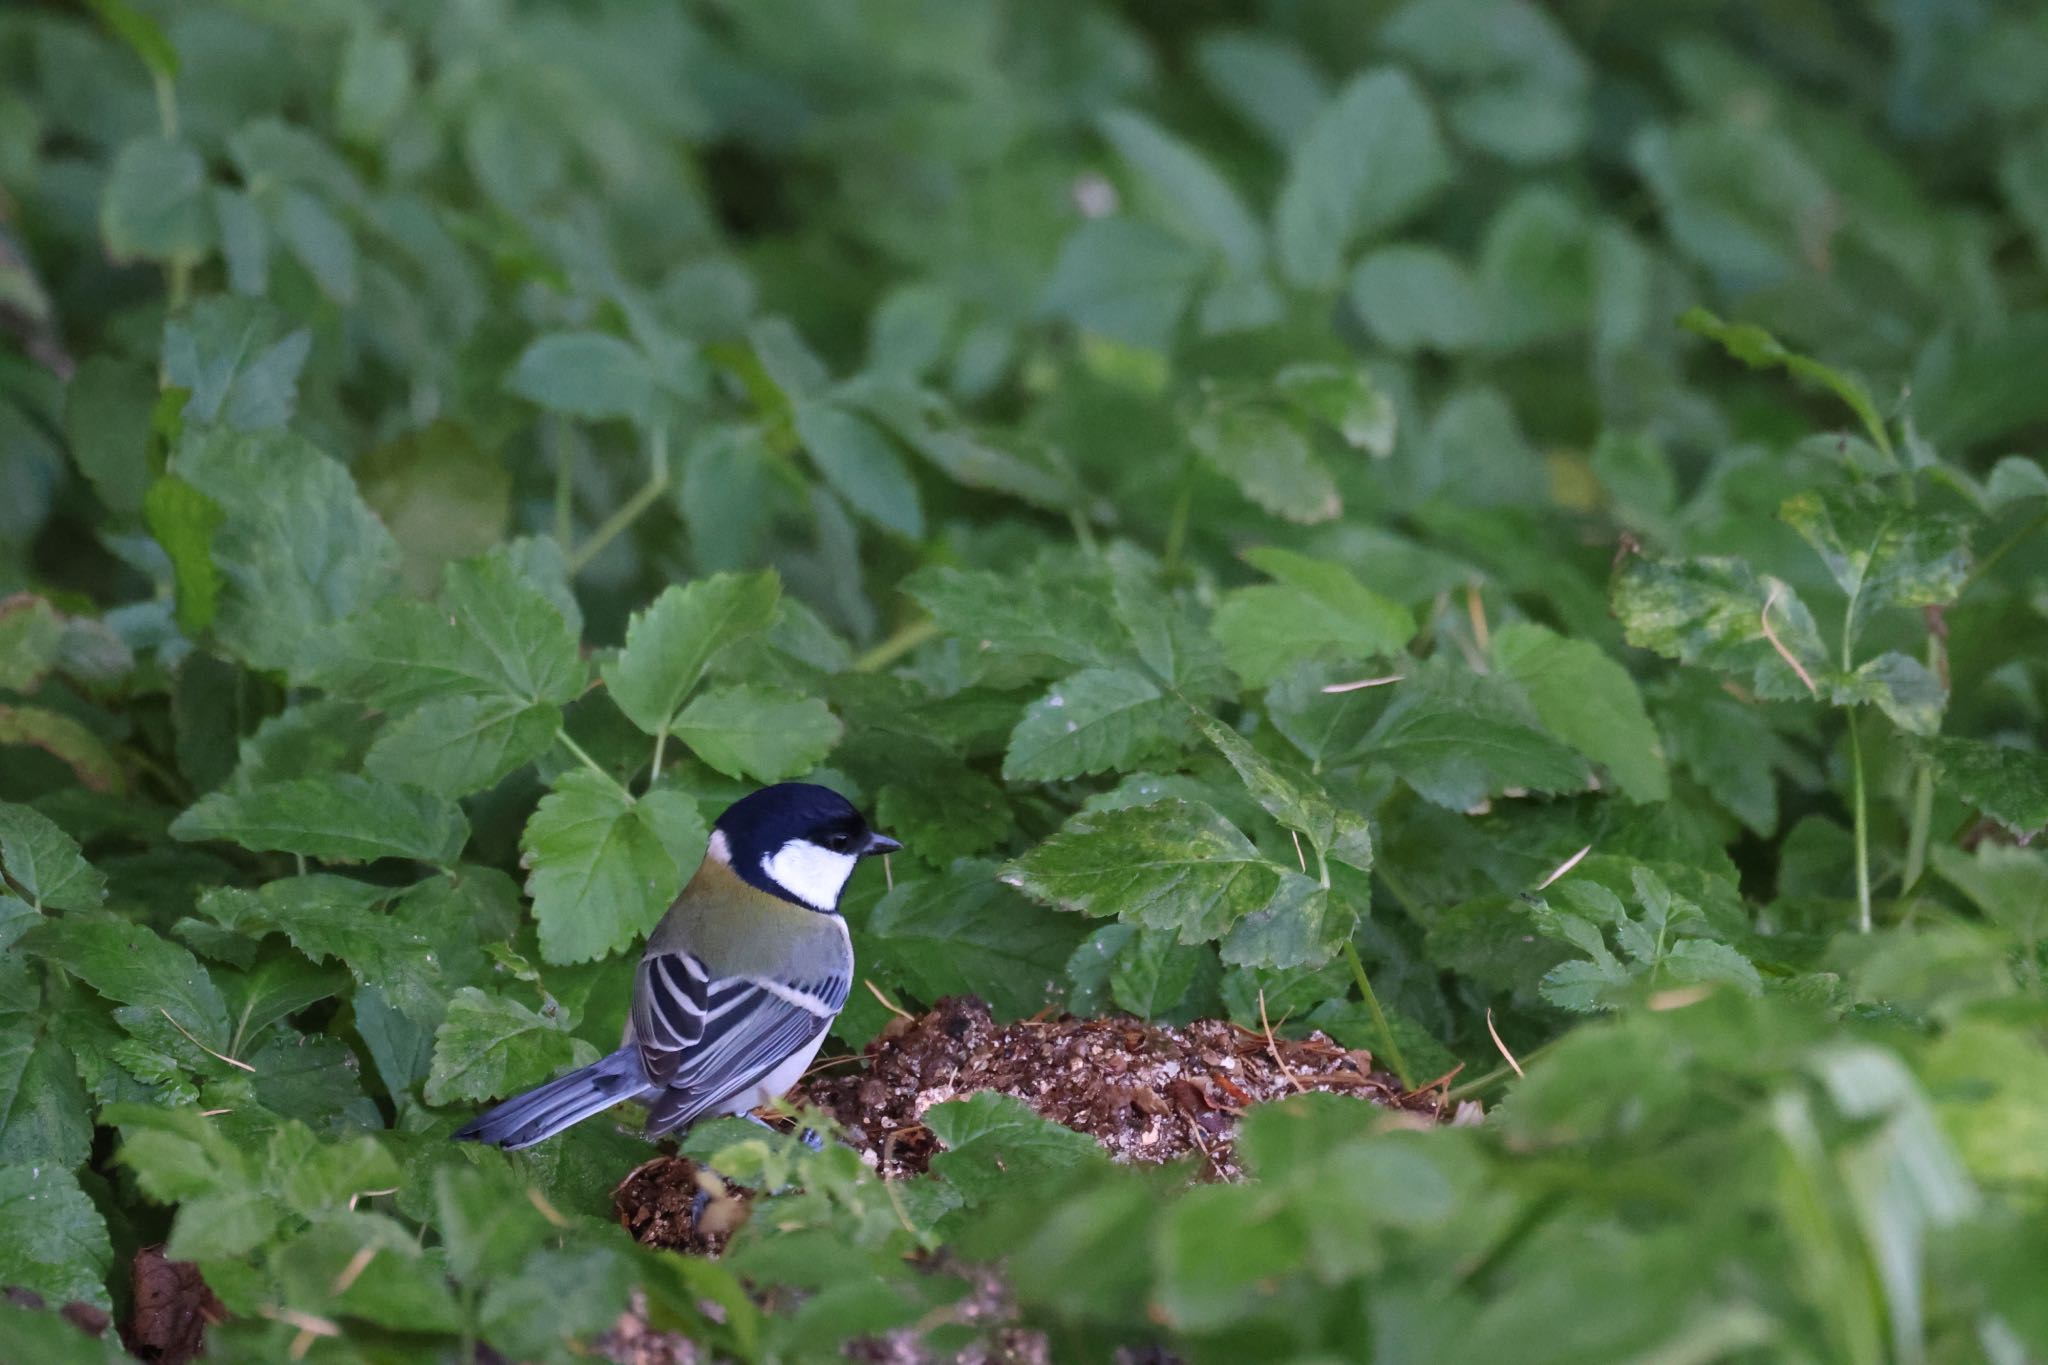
(738, 983)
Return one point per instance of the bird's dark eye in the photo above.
(839, 843)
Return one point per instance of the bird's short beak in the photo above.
(879, 843)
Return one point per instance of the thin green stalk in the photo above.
(1862, 814)
(1083, 532)
(167, 105)
(628, 511)
(896, 646)
(565, 482)
(577, 749)
(1379, 1017)
(1177, 529)
(654, 768)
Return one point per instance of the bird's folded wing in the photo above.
(704, 1038)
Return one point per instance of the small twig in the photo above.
(357, 1264)
(368, 1194)
(1764, 620)
(1475, 608)
(888, 873)
(1679, 997)
(1567, 865)
(887, 1003)
(214, 1113)
(1503, 1046)
(845, 1059)
(1274, 1048)
(1364, 683)
(1297, 850)
(547, 1210)
(221, 1056)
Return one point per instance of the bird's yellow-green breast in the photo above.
(737, 929)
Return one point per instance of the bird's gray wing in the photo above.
(704, 1038)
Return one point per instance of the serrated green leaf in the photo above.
(1590, 702)
(56, 1243)
(994, 1142)
(1293, 798)
(1373, 157)
(154, 206)
(1345, 400)
(1459, 739)
(1093, 721)
(331, 918)
(605, 867)
(964, 931)
(297, 550)
(45, 862)
(591, 375)
(2009, 785)
(1316, 611)
(128, 962)
(490, 1046)
(1712, 612)
(1269, 459)
(1153, 972)
(1048, 613)
(1175, 866)
(672, 642)
(1881, 552)
(45, 1114)
(453, 746)
(765, 733)
(239, 363)
(1903, 688)
(333, 816)
(863, 464)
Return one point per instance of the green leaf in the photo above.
(1343, 399)
(297, 550)
(443, 495)
(334, 918)
(334, 816)
(1175, 866)
(1097, 720)
(45, 1114)
(1712, 612)
(1590, 702)
(863, 464)
(453, 746)
(1269, 459)
(1316, 611)
(1125, 280)
(672, 642)
(604, 867)
(45, 862)
(129, 963)
(154, 206)
(142, 35)
(1459, 739)
(321, 242)
(374, 84)
(765, 733)
(591, 375)
(184, 521)
(1186, 188)
(1293, 798)
(1372, 159)
(1905, 689)
(494, 633)
(1046, 613)
(996, 1143)
(964, 931)
(1759, 350)
(241, 367)
(1153, 973)
(107, 411)
(1415, 297)
(2009, 785)
(30, 635)
(490, 1046)
(2010, 885)
(56, 1243)
(1880, 551)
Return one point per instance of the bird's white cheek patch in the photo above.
(812, 874)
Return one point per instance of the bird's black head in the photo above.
(797, 841)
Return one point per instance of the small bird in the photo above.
(738, 983)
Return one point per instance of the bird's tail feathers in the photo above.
(545, 1111)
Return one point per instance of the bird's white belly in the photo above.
(776, 1083)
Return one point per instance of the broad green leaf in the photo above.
(1343, 399)
(279, 985)
(1124, 280)
(313, 737)
(672, 642)
(45, 1114)
(374, 83)
(239, 363)
(1175, 866)
(184, 521)
(1415, 297)
(30, 634)
(1266, 80)
(493, 633)
(1902, 687)
(297, 549)
(1880, 551)
(1316, 611)
(321, 242)
(994, 1143)
(1048, 614)
(1372, 159)
(1153, 973)
(1727, 747)
(453, 746)
(244, 241)
(863, 464)
(1590, 702)
(2009, 785)
(1186, 188)
(964, 931)
(591, 375)
(1097, 720)
(107, 411)
(1300, 927)
(1269, 459)
(56, 1243)
(1713, 612)
(1459, 739)
(333, 816)
(1171, 638)
(603, 867)
(330, 918)
(128, 962)
(490, 1046)
(45, 862)
(2010, 885)
(765, 733)
(442, 493)
(1293, 799)
(154, 206)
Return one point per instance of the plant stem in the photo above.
(565, 482)
(629, 511)
(1379, 1018)
(654, 768)
(1862, 815)
(577, 749)
(1177, 529)
(1083, 532)
(896, 646)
